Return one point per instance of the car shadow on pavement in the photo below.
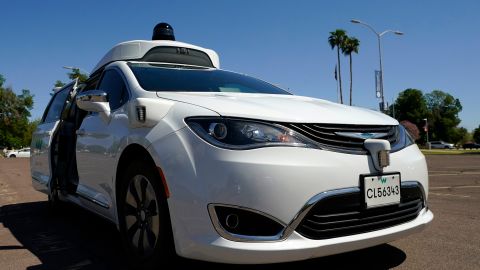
(77, 239)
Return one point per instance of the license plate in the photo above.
(381, 190)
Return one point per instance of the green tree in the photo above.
(72, 75)
(350, 45)
(14, 113)
(336, 40)
(443, 115)
(410, 105)
(476, 134)
(76, 73)
(460, 135)
(59, 83)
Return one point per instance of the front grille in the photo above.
(345, 214)
(327, 135)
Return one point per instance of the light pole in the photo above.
(379, 36)
(426, 130)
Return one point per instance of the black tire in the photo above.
(144, 219)
(12, 156)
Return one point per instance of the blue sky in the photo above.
(284, 42)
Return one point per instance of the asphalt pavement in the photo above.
(31, 237)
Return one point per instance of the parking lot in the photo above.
(32, 238)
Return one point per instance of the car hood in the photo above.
(281, 108)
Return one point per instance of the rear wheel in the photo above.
(13, 156)
(143, 216)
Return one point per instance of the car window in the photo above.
(170, 78)
(112, 83)
(55, 108)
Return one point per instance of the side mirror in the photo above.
(94, 101)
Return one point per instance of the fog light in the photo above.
(243, 222)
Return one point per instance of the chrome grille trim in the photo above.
(327, 135)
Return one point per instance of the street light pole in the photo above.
(379, 38)
(382, 96)
(426, 130)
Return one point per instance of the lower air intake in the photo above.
(345, 214)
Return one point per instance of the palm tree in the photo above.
(350, 45)
(336, 39)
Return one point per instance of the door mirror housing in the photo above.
(95, 101)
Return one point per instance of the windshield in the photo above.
(169, 78)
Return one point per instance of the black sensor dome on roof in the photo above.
(163, 31)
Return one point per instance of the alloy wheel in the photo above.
(141, 216)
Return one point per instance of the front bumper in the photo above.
(297, 247)
(277, 181)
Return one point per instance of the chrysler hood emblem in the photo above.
(359, 135)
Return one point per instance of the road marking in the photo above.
(8, 193)
(452, 195)
(462, 167)
(455, 187)
(453, 171)
(455, 174)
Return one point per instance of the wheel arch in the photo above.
(135, 151)
(131, 152)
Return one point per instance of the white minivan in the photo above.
(187, 158)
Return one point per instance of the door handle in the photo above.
(81, 132)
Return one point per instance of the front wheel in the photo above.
(13, 156)
(143, 216)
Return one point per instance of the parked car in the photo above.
(218, 166)
(441, 145)
(471, 145)
(21, 153)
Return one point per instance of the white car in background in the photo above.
(21, 153)
(441, 145)
(218, 166)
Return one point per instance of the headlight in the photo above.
(245, 134)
